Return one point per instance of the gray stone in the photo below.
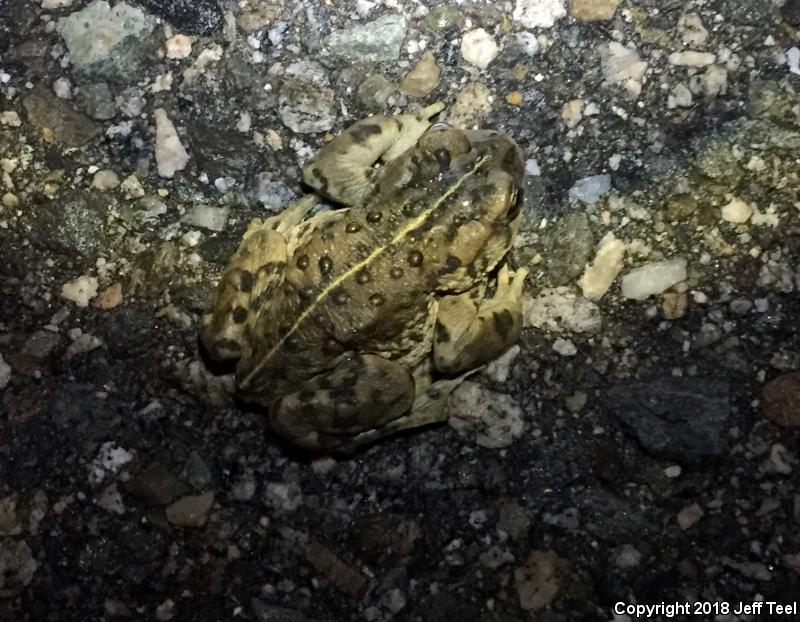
(196, 472)
(307, 104)
(590, 189)
(17, 567)
(374, 92)
(683, 419)
(96, 100)
(568, 246)
(377, 41)
(106, 41)
(273, 194)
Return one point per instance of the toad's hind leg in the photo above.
(340, 409)
(342, 170)
(471, 332)
(254, 270)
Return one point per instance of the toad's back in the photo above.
(362, 280)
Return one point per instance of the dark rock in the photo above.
(74, 223)
(387, 535)
(96, 100)
(76, 408)
(782, 400)
(200, 17)
(218, 250)
(156, 484)
(70, 127)
(271, 613)
(221, 153)
(683, 419)
(791, 12)
(680, 207)
(196, 472)
(128, 332)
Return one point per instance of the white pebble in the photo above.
(171, 156)
(653, 278)
(62, 87)
(572, 112)
(737, 211)
(105, 179)
(207, 217)
(793, 60)
(539, 13)
(680, 97)
(478, 48)
(53, 5)
(532, 168)
(80, 291)
(591, 189)
(179, 46)
(691, 59)
(10, 118)
(565, 347)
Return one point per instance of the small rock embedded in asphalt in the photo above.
(594, 10)
(683, 419)
(343, 576)
(307, 105)
(600, 274)
(190, 511)
(17, 567)
(106, 41)
(478, 48)
(653, 278)
(207, 217)
(67, 126)
(689, 516)
(374, 42)
(736, 211)
(156, 485)
(782, 400)
(590, 189)
(423, 78)
(80, 291)
(487, 418)
(5, 373)
(539, 580)
(622, 65)
(171, 156)
(538, 13)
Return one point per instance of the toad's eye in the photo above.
(440, 125)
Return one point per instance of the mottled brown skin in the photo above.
(336, 319)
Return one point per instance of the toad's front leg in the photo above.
(472, 332)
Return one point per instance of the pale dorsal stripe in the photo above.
(410, 226)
